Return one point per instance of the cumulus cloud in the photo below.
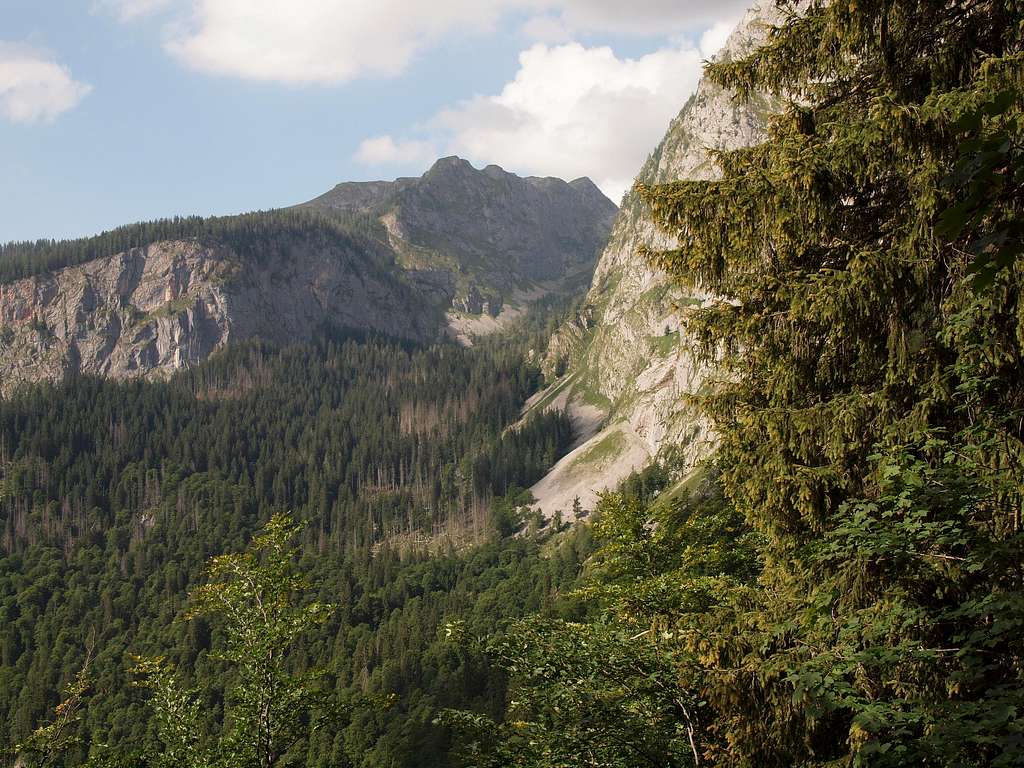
(646, 17)
(714, 38)
(320, 41)
(33, 87)
(333, 41)
(569, 111)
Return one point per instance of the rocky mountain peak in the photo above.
(451, 165)
(585, 186)
(507, 233)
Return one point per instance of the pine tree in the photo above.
(869, 342)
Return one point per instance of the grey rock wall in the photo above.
(154, 310)
(624, 353)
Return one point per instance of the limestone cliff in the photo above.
(621, 365)
(159, 308)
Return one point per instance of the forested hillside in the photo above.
(113, 496)
(247, 235)
(373, 439)
(840, 584)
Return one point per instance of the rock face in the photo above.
(154, 310)
(495, 234)
(623, 354)
(457, 238)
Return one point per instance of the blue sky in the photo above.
(114, 111)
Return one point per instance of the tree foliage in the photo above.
(869, 403)
(249, 235)
(857, 597)
(48, 743)
(625, 687)
(845, 586)
(113, 496)
(258, 594)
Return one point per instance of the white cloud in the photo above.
(546, 28)
(714, 38)
(570, 111)
(320, 41)
(573, 111)
(33, 87)
(384, 150)
(333, 41)
(646, 17)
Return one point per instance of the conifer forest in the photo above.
(363, 549)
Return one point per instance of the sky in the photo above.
(114, 111)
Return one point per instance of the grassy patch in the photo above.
(552, 393)
(592, 396)
(681, 489)
(664, 345)
(170, 309)
(607, 447)
(686, 301)
(589, 389)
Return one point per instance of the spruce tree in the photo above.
(868, 338)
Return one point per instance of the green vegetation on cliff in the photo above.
(248, 235)
(842, 586)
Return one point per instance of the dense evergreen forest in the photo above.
(113, 496)
(372, 439)
(841, 586)
(248, 235)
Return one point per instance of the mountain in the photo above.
(501, 229)
(484, 241)
(620, 365)
(454, 253)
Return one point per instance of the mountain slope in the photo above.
(503, 230)
(167, 305)
(483, 241)
(417, 258)
(620, 365)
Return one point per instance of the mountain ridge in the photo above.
(501, 227)
(171, 292)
